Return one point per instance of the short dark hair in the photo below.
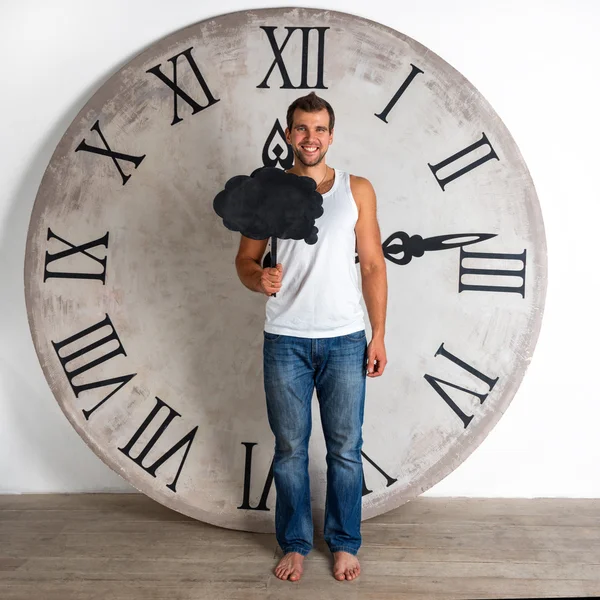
(310, 103)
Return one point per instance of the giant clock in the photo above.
(152, 346)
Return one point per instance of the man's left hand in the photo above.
(376, 358)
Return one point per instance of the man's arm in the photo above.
(372, 270)
(249, 269)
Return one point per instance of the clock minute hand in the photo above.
(414, 246)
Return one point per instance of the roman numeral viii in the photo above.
(77, 348)
(185, 441)
(456, 161)
(77, 252)
(435, 383)
(280, 63)
(178, 92)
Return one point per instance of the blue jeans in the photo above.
(336, 367)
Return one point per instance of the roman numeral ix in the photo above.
(75, 250)
(178, 92)
(280, 63)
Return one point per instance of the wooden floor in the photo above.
(128, 547)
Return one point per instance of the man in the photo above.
(314, 338)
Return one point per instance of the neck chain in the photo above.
(322, 180)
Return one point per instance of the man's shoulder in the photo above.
(360, 185)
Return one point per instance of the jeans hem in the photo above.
(302, 551)
(348, 549)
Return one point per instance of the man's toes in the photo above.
(282, 573)
(340, 576)
(294, 576)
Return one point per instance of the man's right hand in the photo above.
(270, 280)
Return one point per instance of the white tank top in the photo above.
(320, 295)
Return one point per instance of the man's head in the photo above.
(310, 122)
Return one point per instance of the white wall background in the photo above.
(536, 62)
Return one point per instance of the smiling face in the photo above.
(310, 136)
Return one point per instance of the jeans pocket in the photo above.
(271, 337)
(358, 335)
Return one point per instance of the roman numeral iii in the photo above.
(470, 277)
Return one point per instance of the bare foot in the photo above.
(290, 567)
(345, 566)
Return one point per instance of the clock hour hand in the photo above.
(414, 246)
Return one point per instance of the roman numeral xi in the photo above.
(178, 92)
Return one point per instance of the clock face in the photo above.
(153, 347)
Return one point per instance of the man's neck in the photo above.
(318, 172)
